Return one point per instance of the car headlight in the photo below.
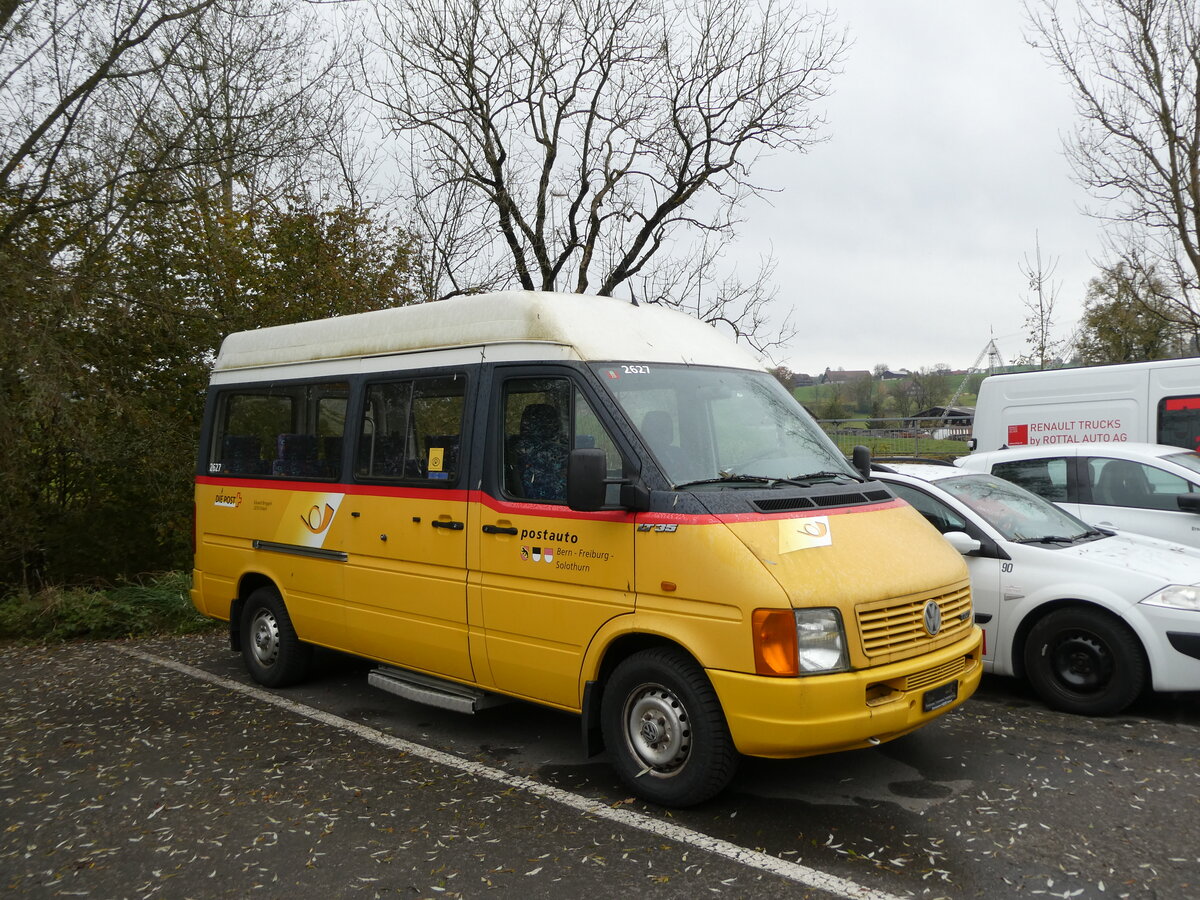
(1176, 596)
(821, 641)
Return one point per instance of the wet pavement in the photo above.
(156, 768)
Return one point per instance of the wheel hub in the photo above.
(1082, 663)
(265, 636)
(658, 729)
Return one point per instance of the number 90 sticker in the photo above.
(804, 534)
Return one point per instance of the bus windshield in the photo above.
(710, 425)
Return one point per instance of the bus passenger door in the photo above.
(407, 517)
(549, 577)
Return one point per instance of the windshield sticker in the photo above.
(804, 534)
(635, 370)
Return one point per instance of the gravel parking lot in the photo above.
(154, 768)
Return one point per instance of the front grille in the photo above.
(918, 681)
(890, 626)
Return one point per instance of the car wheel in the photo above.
(273, 653)
(1085, 661)
(665, 730)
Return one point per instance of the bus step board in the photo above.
(433, 691)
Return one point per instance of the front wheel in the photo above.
(273, 653)
(665, 730)
(1085, 661)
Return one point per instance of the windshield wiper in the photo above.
(798, 481)
(723, 479)
(1052, 539)
(815, 476)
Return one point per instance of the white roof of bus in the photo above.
(595, 328)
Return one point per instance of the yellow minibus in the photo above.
(603, 507)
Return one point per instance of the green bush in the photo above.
(159, 606)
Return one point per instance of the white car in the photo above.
(1149, 489)
(1089, 617)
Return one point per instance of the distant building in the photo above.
(843, 376)
(801, 379)
(958, 414)
(950, 422)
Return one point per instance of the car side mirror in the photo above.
(1188, 503)
(963, 542)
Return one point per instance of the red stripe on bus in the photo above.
(541, 510)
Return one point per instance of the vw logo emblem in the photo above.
(933, 617)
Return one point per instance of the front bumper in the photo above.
(790, 717)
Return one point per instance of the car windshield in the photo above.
(1187, 459)
(723, 426)
(1015, 512)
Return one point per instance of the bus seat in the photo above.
(540, 451)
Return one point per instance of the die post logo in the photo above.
(318, 520)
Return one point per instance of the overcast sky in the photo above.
(900, 239)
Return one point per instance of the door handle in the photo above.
(453, 526)
(497, 529)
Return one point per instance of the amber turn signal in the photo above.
(775, 647)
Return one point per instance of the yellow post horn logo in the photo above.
(815, 529)
(317, 521)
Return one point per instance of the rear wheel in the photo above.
(273, 653)
(665, 730)
(1085, 661)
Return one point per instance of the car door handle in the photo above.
(453, 526)
(497, 529)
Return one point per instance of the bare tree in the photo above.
(63, 60)
(271, 102)
(574, 144)
(1134, 67)
(1043, 294)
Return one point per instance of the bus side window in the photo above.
(286, 431)
(248, 430)
(544, 419)
(412, 430)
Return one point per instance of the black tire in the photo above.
(1085, 661)
(274, 656)
(665, 730)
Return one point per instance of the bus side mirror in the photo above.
(587, 471)
(588, 481)
(861, 460)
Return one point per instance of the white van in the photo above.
(1151, 402)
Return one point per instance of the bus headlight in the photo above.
(1176, 596)
(821, 641)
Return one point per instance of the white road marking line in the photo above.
(813, 878)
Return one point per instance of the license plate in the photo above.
(939, 697)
